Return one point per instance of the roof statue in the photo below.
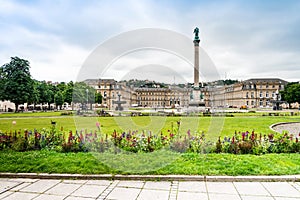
(196, 31)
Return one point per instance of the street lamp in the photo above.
(277, 100)
(87, 98)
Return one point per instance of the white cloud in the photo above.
(244, 40)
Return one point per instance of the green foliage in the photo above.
(68, 92)
(291, 93)
(82, 93)
(16, 82)
(46, 93)
(19, 145)
(98, 98)
(59, 98)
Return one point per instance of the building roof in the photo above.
(258, 80)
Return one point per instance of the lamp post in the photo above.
(87, 98)
(277, 100)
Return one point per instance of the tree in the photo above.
(16, 81)
(59, 99)
(68, 92)
(82, 93)
(98, 98)
(35, 96)
(1, 83)
(46, 93)
(291, 93)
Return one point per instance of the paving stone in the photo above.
(7, 185)
(192, 186)
(286, 198)
(221, 187)
(75, 181)
(20, 196)
(158, 185)
(21, 186)
(131, 184)
(296, 185)
(257, 198)
(40, 186)
(281, 189)
(26, 180)
(124, 193)
(89, 191)
(251, 188)
(49, 197)
(64, 189)
(78, 198)
(191, 196)
(173, 190)
(223, 197)
(109, 188)
(5, 194)
(153, 194)
(99, 182)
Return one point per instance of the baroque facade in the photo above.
(158, 97)
(251, 93)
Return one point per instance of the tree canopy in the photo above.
(16, 81)
(291, 93)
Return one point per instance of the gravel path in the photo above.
(293, 128)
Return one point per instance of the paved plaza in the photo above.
(42, 189)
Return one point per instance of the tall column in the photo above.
(196, 64)
(196, 58)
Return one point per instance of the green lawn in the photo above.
(158, 162)
(30, 114)
(145, 163)
(212, 126)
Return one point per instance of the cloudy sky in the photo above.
(241, 39)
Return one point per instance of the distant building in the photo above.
(154, 97)
(252, 93)
(162, 97)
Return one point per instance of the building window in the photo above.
(261, 103)
(247, 95)
(260, 94)
(267, 94)
(252, 103)
(252, 94)
(247, 103)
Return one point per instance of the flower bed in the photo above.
(146, 141)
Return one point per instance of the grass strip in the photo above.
(185, 164)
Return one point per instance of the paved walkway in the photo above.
(292, 128)
(38, 189)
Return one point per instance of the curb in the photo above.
(285, 178)
(280, 123)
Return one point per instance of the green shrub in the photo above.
(19, 145)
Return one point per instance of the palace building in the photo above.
(252, 93)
